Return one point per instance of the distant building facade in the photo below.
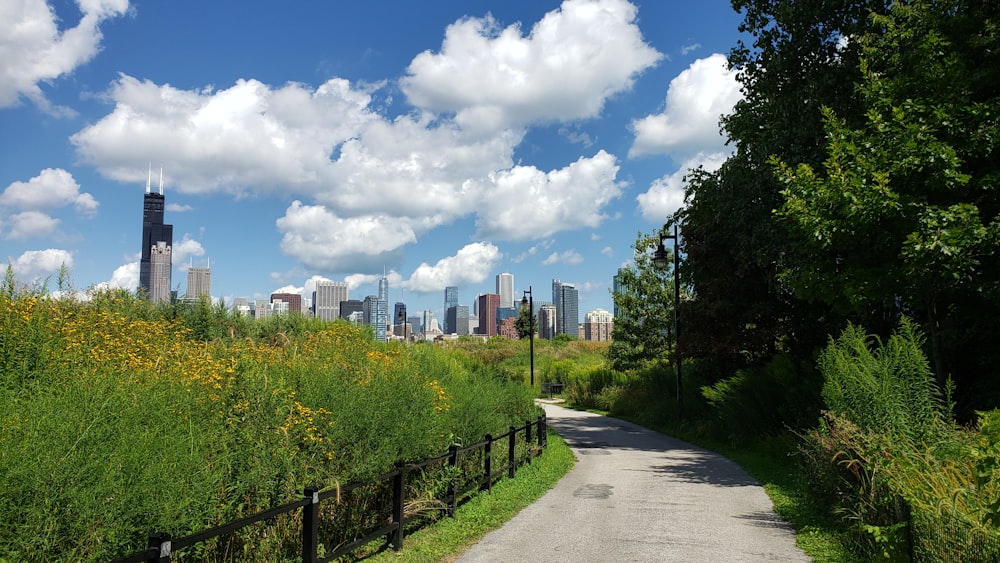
(488, 305)
(505, 289)
(508, 328)
(351, 307)
(566, 299)
(598, 325)
(199, 283)
(547, 321)
(286, 302)
(327, 298)
(159, 276)
(450, 300)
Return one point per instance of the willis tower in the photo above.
(157, 240)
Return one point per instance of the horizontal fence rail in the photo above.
(161, 546)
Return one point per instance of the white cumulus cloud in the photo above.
(249, 137)
(30, 224)
(51, 189)
(321, 239)
(34, 266)
(33, 49)
(696, 100)
(666, 195)
(564, 68)
(470, 265)
(525, 203)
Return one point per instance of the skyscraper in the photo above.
(450, 300)
(566, 299)
(457, 317)
(199, 282)
(327, 298)
(505, 289)
(488, 305)
(547, 322)
(154, 231)
(381, 313)
(159, 273)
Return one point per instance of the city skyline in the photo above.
(442, 144)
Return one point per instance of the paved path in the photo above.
(637, 495)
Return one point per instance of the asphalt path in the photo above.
(638, 495)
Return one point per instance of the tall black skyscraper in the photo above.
(154, 231)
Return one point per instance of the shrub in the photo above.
(764, 401)
(882, 388)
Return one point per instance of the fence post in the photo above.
(542, 431)
(398, 500)
(511, 459)
(161, 543)
(452, 463)
(488, 464)
(310, 525)
(527, 438)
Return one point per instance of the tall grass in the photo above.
(890, 460)
(118, 419)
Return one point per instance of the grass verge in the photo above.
(449, 538)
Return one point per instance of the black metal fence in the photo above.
(471, 469)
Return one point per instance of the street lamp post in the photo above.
(526, 299)
(660, 260)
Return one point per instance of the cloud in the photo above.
(51, 189)
(666, 194)
(696, 99)
(471, 265)
(125, 277)
(34, 50)
(365, 184)
(30, 224)
(324, 241)
(564, 68)
(525, 203)
(178, 208)
(248, 138)
(569, 257)
(608, 251)
(544, 245)
(687, 49)
(183, 250)
(35, 265)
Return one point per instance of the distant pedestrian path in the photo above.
(637, 495)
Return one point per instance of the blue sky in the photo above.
(442, 142)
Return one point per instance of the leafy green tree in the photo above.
(526, 323)
(902, 216)
(645, 309)
(735, 247)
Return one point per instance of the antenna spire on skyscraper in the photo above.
(149, 177)
(161, 179)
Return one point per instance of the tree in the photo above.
(526, 323)
(736, 249)
(645, 309)
(902, 215)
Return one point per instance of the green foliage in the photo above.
(918, 173)
(118, 419)
(888, 460)
(645, 303)
(883, 389)
(765, 401)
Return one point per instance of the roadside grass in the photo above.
(450, 537)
